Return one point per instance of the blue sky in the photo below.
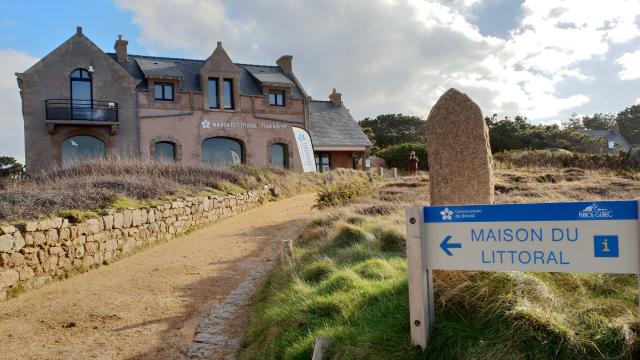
(544, 59)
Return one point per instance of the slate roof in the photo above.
(252, 77)
(331, 125)
(609, 135)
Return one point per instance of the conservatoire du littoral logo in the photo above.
(446, 214)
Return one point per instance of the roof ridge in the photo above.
(187, 59)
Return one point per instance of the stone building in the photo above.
(80, 102)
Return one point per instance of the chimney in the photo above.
(284, 62)
(121, 50)
(79, 30)
(336, 98)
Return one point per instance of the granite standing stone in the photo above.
(459, 153)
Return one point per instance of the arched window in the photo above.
(164, 151)
(221, 152)
(81, 148)
(81, 89)
(279, 156)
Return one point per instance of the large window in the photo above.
(213, 94)
(276, 98)
(164, 151)
(228, 93)
(323, 161)
(279, 155)
(163, 92)
(221, 152)
(81, 89)
(81, 148)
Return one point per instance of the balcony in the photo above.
(81, 112)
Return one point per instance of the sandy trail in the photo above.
(148, 306)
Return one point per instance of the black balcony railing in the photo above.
(81, 110)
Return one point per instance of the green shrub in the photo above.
(397, 155)
(348, 235)
(544, 158)
(343, 192)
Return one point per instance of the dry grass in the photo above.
(347, 281)
(99, 184)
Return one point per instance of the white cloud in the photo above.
(399, 56)
(11, 124)
(630, 63)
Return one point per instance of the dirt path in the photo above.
(149, 305)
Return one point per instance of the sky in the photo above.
(542, 59)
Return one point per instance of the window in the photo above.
(213, 94)
(221, 152)
(81, 148)
(163, 92)
(228, 93)
(164, 151)
(81, 89)
(323, 162)
(279, 155)
(276, 98)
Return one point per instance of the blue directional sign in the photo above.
(445, 245)
(600, 236)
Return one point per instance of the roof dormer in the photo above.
(220, 79)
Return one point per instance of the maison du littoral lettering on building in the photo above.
(80, 102)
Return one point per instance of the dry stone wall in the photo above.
(34, 252)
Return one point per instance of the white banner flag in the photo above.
(305, 149)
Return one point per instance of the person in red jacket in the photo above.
(412, 163)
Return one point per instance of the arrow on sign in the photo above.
(445, 245)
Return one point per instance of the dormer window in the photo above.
(276, 98)
(213, 94)
(163, 92)
(228, 93)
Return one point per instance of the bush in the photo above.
(397, 155)
(543, 158)
(343, 192)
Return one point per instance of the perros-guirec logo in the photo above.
(446, 214)
(593, 211)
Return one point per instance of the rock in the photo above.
(459, 154)
(137, 217)
(8, 278)
(64, 234)
(28, 226)
(52, 236)
(25, 273)
(128, 218)
(94, 225)
(118, 220)
(7, 229)
(151, 216)
(6, 243)
(91, 248)
(45, 225)
(18, 241)
(108, 221)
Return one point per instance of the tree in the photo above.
(574, 122)
(628, 121)
(519, 134)
(9, 166)
(599, 121)
(390, 129)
